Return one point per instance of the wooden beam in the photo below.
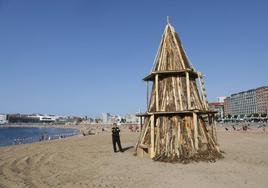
(215, 130)
(188, 90)
(147, 96)
(195, 131)
(183, 112)
(166, 73)
(175, 93)
(179, 92)
(140, 123)
(152, 151)
(156, 93)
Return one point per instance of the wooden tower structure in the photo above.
(177, 124)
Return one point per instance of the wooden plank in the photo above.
(152, 151)
(164, 73)
(156, 93)
(188, 91)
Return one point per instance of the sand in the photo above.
(90, 162)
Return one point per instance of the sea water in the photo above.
(13, 136)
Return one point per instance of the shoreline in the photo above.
(20, 135)
(81, 129)
(39, 126)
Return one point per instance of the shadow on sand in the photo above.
(127, 148)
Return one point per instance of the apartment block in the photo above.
(262, 100)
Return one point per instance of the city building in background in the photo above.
(109, 118)
(106, 117)
(248, 103)
(226, 106)
(31, 118)
(243, 102)
(131, 118)
(262, 100)
(221, 99)
(218, 107)
(3, 119)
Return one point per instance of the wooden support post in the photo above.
(188, 90)
(214, 128)
(179, 92)
(152, 151)
(195, 131)
(147, 96)
(156, 93)
(140, 123)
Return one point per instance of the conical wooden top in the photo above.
(174, 80)
(171, 55)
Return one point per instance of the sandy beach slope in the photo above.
(90, 162)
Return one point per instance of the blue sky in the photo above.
(87, 57)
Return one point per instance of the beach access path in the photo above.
(89, 161)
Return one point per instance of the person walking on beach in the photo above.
(116, 138)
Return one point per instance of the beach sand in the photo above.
(90, 162)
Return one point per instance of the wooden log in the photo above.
(177, 136)
(189, 134)
(195, 131)
(157, 147)
(203, 92)
(156, 59)
(179, 92)
(152, 152)
(145, 131)
(188, 91)
(152, 99)
(140, 123)
(175, 94)
(163, 95)
(201, 130)
(198, 100)
(214, 129)
(209, 139)
(147, 97)
(177, 45)
(160, 60)
(156, 92)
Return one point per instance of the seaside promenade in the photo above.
(89, 161)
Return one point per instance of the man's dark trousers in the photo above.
(116, 140)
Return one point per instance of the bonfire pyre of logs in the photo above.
(177, 127)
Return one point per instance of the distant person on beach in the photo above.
(116, 138)
(234, 127)
(245, 127)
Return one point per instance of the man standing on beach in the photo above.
(116, 137)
